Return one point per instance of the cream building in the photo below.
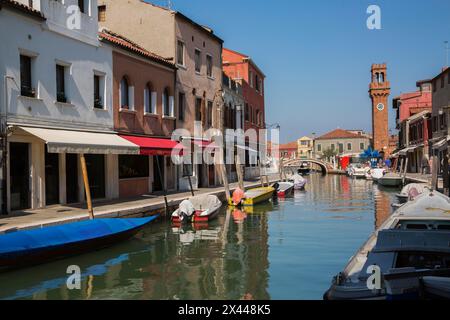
(305, 148)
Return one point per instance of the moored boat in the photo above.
(198, 209)
(391, 180)
(30, 247)
(284, 189)
(377, 174)
(411, 191)
(253, 197)
(415, 236)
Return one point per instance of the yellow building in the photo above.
(305, 148)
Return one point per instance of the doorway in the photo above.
(95, 164)
(200, 176)
(72, 186)
(211, 175)
(19, 159)
(51, 178)
(158, 181)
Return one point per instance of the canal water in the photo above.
(288, 249)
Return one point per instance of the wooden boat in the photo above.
(199, 209)
(391, 180)
(255, 196)
(30, 247)
(284, 189)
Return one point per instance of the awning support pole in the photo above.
(164, 185)
(87, 189)
(190, 185)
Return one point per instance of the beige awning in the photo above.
(65, 141)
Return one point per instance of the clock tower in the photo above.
(379, 93)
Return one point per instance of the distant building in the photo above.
(288, 151)
(341, 142)
(409, 104)
(305, 147)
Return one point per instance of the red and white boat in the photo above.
(284, 189)
(199, 209)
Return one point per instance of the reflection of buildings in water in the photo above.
(382, 207)
(230, 266)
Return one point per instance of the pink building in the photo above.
(411, 103)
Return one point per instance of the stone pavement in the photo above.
(137, 207)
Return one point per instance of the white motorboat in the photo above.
(299, 182)
(415, 236)
(410, 191)
(358, 171)
(284, 189)
(391, 180)
(377, 174)
(197, 209)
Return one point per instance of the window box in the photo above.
(98, 103)
(28, 92)
(61, 97)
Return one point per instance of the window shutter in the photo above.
(131, 97)
(171, 106)
(153, 106)
(146, 104)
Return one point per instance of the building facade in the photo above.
(305, 148)
(58, 106)
(197, 53)
(244, 70)
(233, 119)
(143, 108)
(409, 104)
(340, 142)
(439, 122)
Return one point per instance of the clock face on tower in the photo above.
(380, 107)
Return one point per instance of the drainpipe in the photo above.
(4, 134)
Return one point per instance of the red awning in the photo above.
(155, 146)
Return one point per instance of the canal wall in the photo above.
(142, 207)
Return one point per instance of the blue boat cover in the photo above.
(25, 240)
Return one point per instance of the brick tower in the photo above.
(379, 93)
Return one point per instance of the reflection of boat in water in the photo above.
(190, 234)
(48, 277)
(197, 209)
(254, 196)
(415, 236)
(30, 247)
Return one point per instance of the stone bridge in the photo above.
(297, 163)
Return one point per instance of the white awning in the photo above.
(65, 141)
(442, 143)
(250, 150)
(405, 151)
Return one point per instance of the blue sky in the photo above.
(317, 54)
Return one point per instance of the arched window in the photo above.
(257, 118)
(124, 94)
